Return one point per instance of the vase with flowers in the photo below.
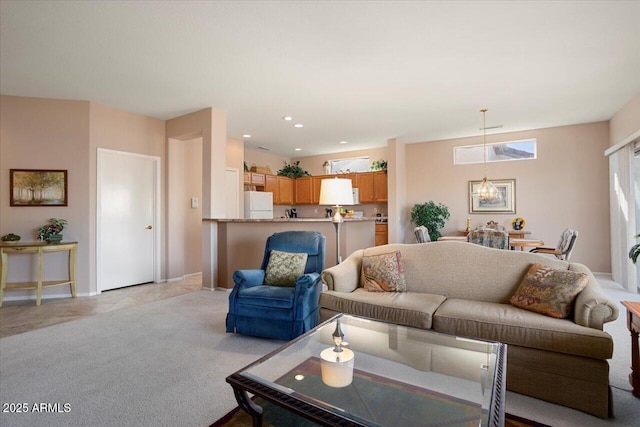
(51, 231)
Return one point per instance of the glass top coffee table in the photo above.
(352, 371)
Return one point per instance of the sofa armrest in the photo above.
(592, 307)
(248, 278)
(344, 277)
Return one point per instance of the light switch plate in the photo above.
(194, 203)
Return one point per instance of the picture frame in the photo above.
(38, 187)
(507, 205)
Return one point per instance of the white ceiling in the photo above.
(358, 71)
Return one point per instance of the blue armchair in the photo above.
(279, 312)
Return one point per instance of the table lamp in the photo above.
(336, 363)
(336, 192)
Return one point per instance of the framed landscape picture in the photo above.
(505, 205)
(38, 187)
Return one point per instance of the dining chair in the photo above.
(422, 234)
(565, 246)
(492, 238)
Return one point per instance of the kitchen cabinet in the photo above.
(281, 187)
(380, 186)
(285, 190)
(382, 234)
(271, 186)
(253, 178)
(303, 187)
(373, 187)
(316, 184)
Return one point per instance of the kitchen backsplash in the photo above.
(369, 210)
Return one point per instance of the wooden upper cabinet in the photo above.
(380, 186)
(365, 184)
(316, 184)
(285, 190)
(271, 186)
(304, 186)
(247, 178)
(373, 187)
(257, 179)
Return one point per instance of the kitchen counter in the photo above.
(240, 242)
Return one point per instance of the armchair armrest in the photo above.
(248, 278)
(344, 277)
(543, 250)
(592, 307)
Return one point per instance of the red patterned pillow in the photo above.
(548, 291)
(383, 273)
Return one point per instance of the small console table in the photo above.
(38, 248)
(633, 323)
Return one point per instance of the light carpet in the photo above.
(164, 363)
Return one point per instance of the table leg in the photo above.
(39, 291)
(72, 270)
(634, 376)
(249, 406)
(3, 275)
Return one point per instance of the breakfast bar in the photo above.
(241, 241)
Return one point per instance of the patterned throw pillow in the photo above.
(548, 291)
(383, 273)
(284, 268)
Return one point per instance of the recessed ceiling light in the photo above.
(298, 125)
(246, 135)
(342, 142)
(297, 149)
(287, 118)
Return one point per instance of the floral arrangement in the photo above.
(53, 228)
(379, 165)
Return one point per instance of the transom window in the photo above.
(525, 149)
(354, 164)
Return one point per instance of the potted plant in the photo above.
(293, 170)
(51, 231)
(431, 216)
(635, 251)
(379, 165)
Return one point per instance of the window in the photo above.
(355, 164)
(497, 152)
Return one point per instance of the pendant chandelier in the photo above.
(486, 192)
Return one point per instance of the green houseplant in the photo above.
(431, 216)
(635, 251)
(293, 170)
(379, 165)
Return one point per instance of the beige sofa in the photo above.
(464, 289)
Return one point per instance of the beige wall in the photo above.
(625, 122)
(264, 158)
(37, 133)
(567, 186)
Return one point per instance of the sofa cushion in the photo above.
(512, 325)
(402, 308)
(451, 269)
(383, 273)
(284, 268)
(548, 291)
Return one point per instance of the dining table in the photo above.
(514, 243)
(525, 243)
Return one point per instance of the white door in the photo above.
(127, 219)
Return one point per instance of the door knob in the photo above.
(149, 227)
